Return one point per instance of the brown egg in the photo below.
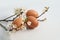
(32, 22)
(17, 22)
(32, 13)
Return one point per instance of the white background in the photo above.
(48, 30)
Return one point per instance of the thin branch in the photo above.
(42, 19)
(45, 10)
(9, 17)
(3, 26)
(6, 20)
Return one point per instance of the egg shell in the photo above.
(32, 13)
(34, 22)
(17, 22)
